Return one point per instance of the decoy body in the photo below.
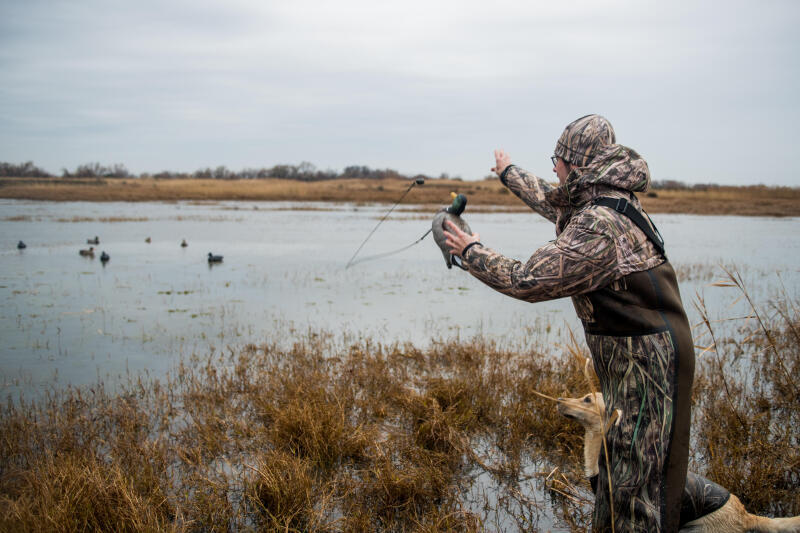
(214, 258)
(184, 244)
(87, 253)
(453, 214)
(96, 240)
(104, 257)
(21, 245)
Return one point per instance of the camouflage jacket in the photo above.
(594, 246)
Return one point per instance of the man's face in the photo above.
(562, 170)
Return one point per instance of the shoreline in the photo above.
(756, 200)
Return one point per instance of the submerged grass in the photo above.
(455, 437)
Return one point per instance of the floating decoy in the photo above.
(214, 258)
(21, 245)
(87, 253)
(453, 214)
(96, 240)
(184, 244)
(147, 240)
(104, 257)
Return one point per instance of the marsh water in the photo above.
(68, 319)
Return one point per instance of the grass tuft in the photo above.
(71, 492)
(282, 489)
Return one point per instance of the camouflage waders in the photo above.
(626, 295)
(643, 355)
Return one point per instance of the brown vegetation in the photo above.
(753, 200)
(747, 402)
(378, 438)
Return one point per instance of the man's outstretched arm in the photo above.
(579, 261)
(527, 187)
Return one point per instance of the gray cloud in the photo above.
(706, 91)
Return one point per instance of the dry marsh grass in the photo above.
(751, 200)
(747, 399)
(368, 437)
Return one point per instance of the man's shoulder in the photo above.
(635, 250)
(597, 219)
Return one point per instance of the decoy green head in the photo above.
(458, 205)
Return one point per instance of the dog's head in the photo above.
(588, 410)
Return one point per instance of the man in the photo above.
(608, 257)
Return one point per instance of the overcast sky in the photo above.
(706, 91)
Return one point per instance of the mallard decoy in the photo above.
(21, 245)
(104, 257)
(214, 258)
(87, 253)
(147, 240)
(184, 244)
(95, 241)
(453, 214)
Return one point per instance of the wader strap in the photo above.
(621, 205)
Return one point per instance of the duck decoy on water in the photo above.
(87, 253)
(147, 240)
(184, 244)
(104, 257)
(214, 258)
(96, 240)
(21, 245)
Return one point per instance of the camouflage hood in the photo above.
(614, 167)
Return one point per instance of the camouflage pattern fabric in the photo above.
(701, 497)
(530, 189)
(602, 260)
(643, 354)
(637, 376)
(595, 245)
(584, 138)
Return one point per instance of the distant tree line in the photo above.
(24, 170)
(676, 185)
(305, 171)
(89, 170)
(96, 170)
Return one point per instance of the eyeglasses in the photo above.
(554, 159)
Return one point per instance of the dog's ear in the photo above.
(588, 371)
(613, 420)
